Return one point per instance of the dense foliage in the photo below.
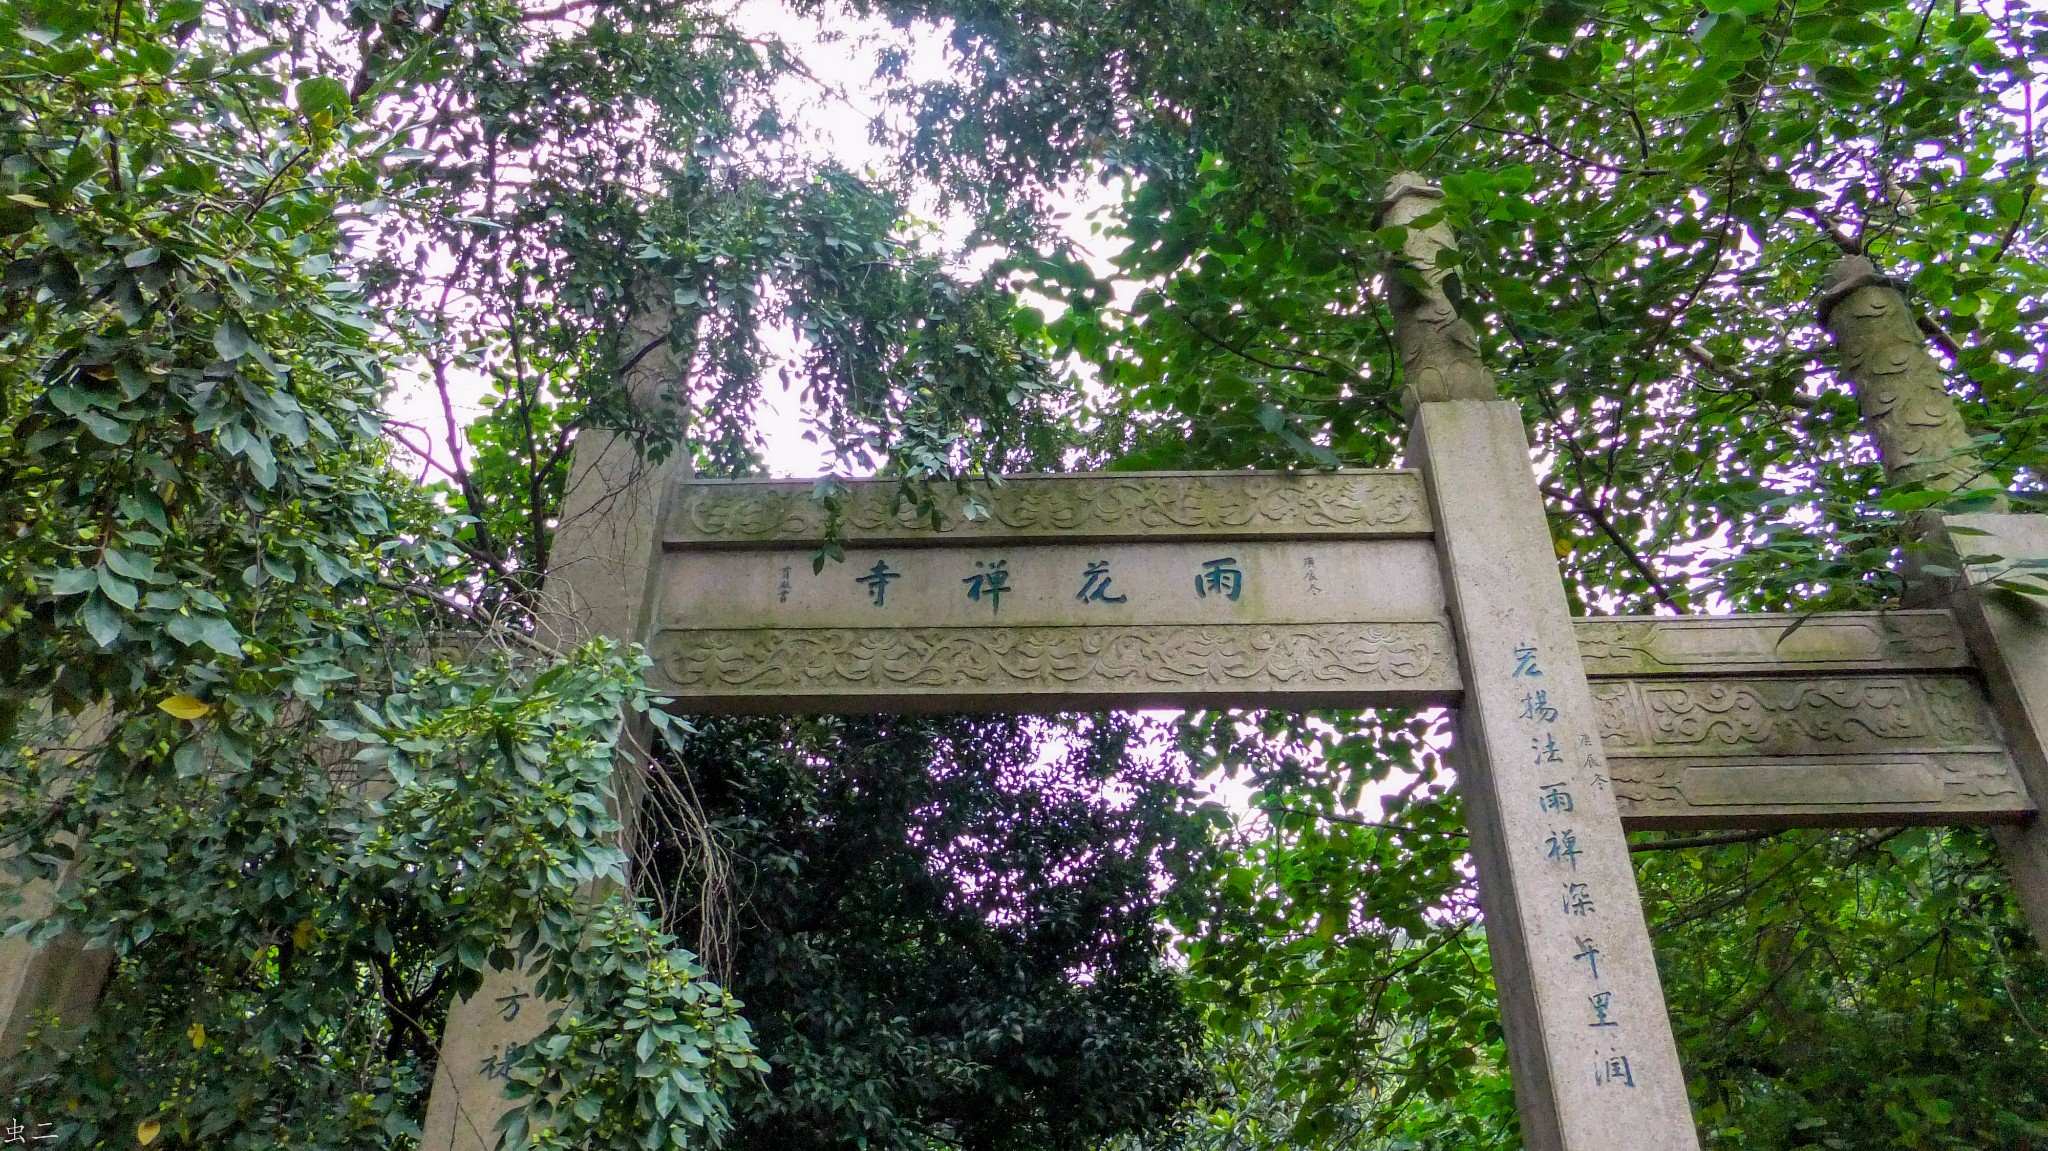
(1647, 196)
(279, 733)
(946, 930)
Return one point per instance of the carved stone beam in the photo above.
(1438, 349)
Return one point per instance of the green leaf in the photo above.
(117, 589)
(74, 581)
(101, 619)
(318, 94)
(231, 340)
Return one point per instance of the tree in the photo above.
(228, 227)
(1647, 197)
(946, 930)
(279, 734)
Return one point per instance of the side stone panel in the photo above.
(1721, 752)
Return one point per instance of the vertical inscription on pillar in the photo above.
(1590, 1047)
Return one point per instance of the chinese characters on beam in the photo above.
(990, 582)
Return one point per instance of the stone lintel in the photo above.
(1049, 669)
(1619, 647)
(1106, 507)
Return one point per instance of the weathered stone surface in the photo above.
(1054, 668)
(2010, 640)
(1214, 505)
(598, 584)
(59, 981)
(468, 1095)
(1895, 641)
(1016, 585)
(1589, 1044)
(1921, 435)
(1846, 750)
(1029, 624)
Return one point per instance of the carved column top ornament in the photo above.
(1900, 390)
(1438, 349)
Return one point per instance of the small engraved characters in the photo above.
(498, 1064)
(1095, 585)
(1220, 576)
(1613, 1069)
(990, 581)
(1308, 572)
(1590, 954)
(782, 589)
(877, 581)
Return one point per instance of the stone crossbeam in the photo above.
(1067, 593)
(1845, 719)
(1085, 592)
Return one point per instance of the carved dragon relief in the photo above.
(1337, 503)
(1248, 658)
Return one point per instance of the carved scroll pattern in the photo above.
(1876, 713)
(1333, 504)
(1135, 659)
(1651, 730)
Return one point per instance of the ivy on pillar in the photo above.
(605, 554)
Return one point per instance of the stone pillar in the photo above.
(62, 978)
(1439, 351)
(1589, 1043)
(605, 557)
(2010, 641)
(1920, 435)
(1921, 438)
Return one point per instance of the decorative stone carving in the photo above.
(789, 665)
(1752, 644)
(1710, 752)
(1921, 435)
(1323, 504)
(1439, 351)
